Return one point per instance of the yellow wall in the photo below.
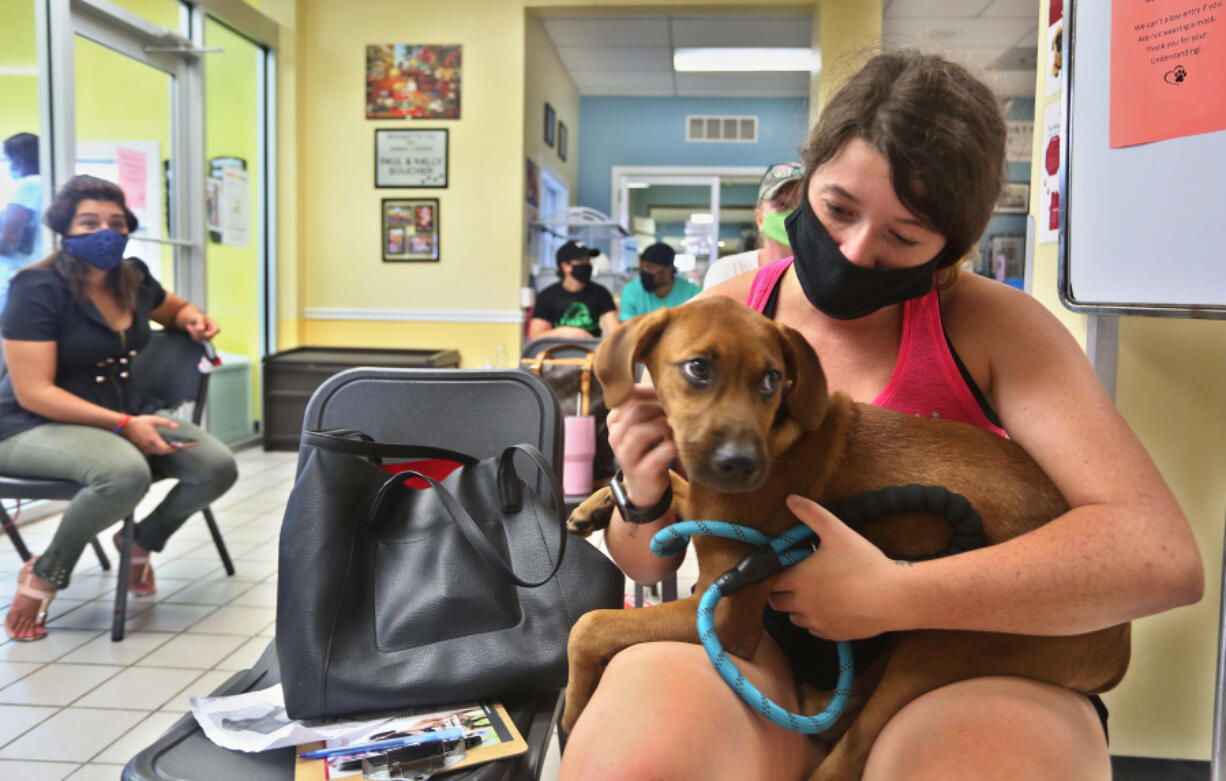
(232, 130)
(1170, 386)
(846, 33)
(546, 80)
(287, 264)
(18, 55)
(482, 218)
(480, 212)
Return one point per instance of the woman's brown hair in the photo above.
(123, 280)
(939, 127)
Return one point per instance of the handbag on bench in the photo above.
(394, 595)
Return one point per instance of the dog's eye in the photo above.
(770, 382)
(697, 370)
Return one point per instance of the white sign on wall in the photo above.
(235, 207)
(410, 158)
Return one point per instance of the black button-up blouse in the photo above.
(93, 360)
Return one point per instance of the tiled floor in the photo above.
(79, 706)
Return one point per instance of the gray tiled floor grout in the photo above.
(253, 488)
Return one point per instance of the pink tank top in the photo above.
(926, 380)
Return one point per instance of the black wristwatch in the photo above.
(632, 514)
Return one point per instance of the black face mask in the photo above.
(649, 281)
(840, 288)
(582, 272)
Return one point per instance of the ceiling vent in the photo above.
(703, 129)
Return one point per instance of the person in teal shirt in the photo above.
(657, 286)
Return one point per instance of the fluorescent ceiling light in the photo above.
(727, 59)
(702, 219)
(638, 185)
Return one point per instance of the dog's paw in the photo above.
(593, 514)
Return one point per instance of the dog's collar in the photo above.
(632, 514)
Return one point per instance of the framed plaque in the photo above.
(411, 158)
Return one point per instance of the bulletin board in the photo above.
(1141, 225)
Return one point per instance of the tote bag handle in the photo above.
(510, 492)
(340, 440)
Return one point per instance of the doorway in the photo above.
(173, 104)
(688, 206)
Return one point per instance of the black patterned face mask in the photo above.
(582, 272)
(839, 288)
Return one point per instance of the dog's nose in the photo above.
(734, 462)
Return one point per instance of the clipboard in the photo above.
(500, 739)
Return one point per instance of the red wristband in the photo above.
(122, 422)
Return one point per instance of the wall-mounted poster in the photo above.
(562, 141)
(410, 158)
(1052, 159)
(532, 183)
(410, 229)
(235, 207)
(1168, 70)
(550, 121)
(1055, 45)
(412, 81)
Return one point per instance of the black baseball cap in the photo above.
(659, 254)
(575, 250)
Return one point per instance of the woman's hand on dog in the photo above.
(643, 443)
(847, 589)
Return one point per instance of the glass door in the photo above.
(123, 135)
(125, 96)
(235, 248)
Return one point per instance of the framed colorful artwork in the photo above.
(411, 81)
(410, 230)
(562, 141)
(550, 122)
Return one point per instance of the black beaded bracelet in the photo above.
(632, 514)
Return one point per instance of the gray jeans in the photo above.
(116, 475)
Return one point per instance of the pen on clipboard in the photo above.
(419, 755)
(381, 745)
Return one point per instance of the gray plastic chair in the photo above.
(475, 411)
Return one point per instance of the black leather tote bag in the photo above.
(392, 597)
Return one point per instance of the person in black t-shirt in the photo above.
(576, 307)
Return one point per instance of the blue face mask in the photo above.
(101, 249)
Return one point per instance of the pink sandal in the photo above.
(139, 563)
(25, 589)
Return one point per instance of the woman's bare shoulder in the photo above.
(976, 309)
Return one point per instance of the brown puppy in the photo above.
(753, 422)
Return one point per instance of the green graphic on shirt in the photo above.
(578, 315)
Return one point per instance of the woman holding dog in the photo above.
(901, 174)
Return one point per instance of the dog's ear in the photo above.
(806, 396)
(628, 345)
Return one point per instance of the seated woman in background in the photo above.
(68, 410)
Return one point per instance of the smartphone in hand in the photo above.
(176, 440)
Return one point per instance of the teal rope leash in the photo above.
(771, 556)
(775, 553)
